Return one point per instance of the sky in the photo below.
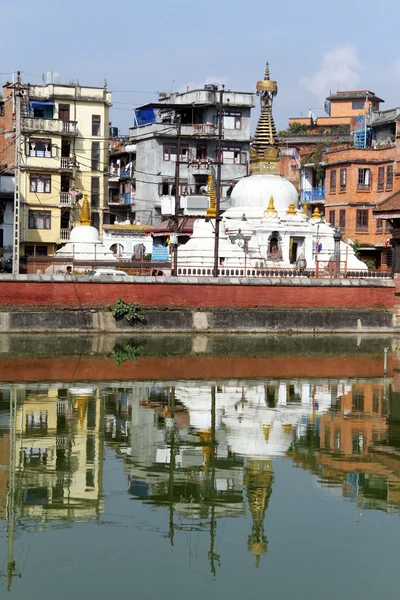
(143, 48)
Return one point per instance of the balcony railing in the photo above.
(66, 163)
(125, 199)
(313, 194)
(64, 235)
(34, 125)
(65, 199)
(69, 126)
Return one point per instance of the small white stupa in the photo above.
(84, 242)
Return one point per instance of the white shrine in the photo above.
(264, 228)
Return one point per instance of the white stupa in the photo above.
(263, 228)
(84, 242)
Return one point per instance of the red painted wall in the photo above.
(81, 295)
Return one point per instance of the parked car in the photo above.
(107, 273)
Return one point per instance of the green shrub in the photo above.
(127, 310)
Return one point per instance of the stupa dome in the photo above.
(84, 233)
(252, 194)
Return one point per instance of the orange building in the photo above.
(342, 109)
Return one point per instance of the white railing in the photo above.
(69, 126)
(66, 163)
(65, 198)
(64, 234)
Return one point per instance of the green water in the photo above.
(280, 487)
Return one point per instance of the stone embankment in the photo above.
(44, 303)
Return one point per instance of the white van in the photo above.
(107, 273)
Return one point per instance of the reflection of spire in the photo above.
(258, 480)
(85, 212)
(264, 154)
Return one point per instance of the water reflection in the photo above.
(199, 452)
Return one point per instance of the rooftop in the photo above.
(391, 204)
(354, 95)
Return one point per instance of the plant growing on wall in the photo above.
(127, 310)
(315, 158)
(129, 351)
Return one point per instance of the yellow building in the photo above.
(64, 153)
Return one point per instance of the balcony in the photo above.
(65, 199)
(125, 199)
(64, 235)
(316, 194)
(66, 164)
(41, 125)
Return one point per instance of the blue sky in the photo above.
(312, 47)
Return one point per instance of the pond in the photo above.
(232, 466)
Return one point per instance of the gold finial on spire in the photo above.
(85, 211)
(264, 153)
(291, 210)
(316, 214)
(211, 211)
(271, 212)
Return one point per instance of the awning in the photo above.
(185, 227)
(36, 103)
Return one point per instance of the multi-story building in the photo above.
(121, 183)
(343, 109)
(156, 137)
(64, 152)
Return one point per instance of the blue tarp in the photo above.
(144, 116)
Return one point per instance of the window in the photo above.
(375, 401)
(379, 225)
(40, 148)
(358, 442)
(337, 439)
(364, 179)
(95, 192)
(358, 401)
(342, 219)
(39, 219)
(361, 219)
(96, 121)
(167, 187)
(388, 226)
(389, 177)
(332, 181)
(95, 156)
(35, 250)
(343, 179)
(332, 217)
(40, 184)
(233, 156)
(2, 113)
(64, 112)
(201, 152)
(232, 120)
(170, 152)
(381, 179)
(65, 149)
(357, 104)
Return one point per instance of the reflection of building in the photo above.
(59, 454)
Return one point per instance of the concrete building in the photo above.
(121, 183)
(64, 152)
(155, 136)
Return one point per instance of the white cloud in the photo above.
(340, 68)
(219, 79)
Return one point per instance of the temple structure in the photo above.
(85, 242)
(263, 226)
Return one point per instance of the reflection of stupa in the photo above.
(258, 480)
(84, 241)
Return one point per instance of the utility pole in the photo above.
(17, 171)
(177, 196)
(218, 190)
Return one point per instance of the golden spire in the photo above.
(85, 211)
(264, 152)
(316, 214)
(211, 211)
(291, 210)
(271, 212)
